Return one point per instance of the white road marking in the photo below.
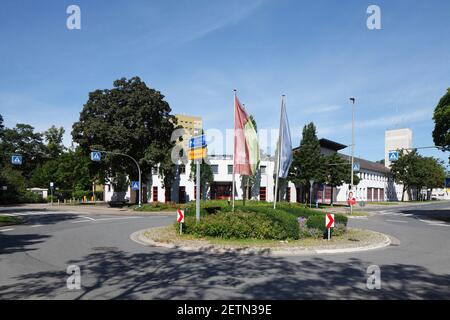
(400, 221)
(89, 218)
(104, 219)
(4, 230)
(37, 225)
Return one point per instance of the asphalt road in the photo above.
(34, 259)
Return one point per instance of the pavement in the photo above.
(35, 257)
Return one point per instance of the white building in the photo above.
(376, 184)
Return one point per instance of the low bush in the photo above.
(318, 222)
(276, 225)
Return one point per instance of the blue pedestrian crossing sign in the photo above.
(16, 159)
(135, 185)
(197, 142)
(393, 155)
(96, 156)
(356, 166)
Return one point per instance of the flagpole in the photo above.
(234, 146)
(279, 155)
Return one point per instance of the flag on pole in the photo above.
(246, 146)
(284, 144)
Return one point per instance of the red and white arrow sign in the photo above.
(329, 220)
(180, 216)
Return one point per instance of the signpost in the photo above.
(329, 223)
(16, 159)
(393, 156)
(197, 152)
(180, 219)
(311, 184)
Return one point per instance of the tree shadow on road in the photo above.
(174, 274)
(438, 215)
(19, 243)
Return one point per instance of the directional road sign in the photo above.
(135, 185)
(197, 142)
(393, 156)
(356, 166)
(196, 154)
(180, 216)
(329, 220)
(16, 159)
(96, 156)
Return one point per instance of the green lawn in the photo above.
(6, 220)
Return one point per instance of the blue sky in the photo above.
(318, 53)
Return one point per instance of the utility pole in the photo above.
(352, 99)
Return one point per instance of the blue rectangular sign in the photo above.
(16, 159)
(393, 156)
(197, 142)
(135, 185)
(356, 166)
(96, 156)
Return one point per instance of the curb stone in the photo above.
(140, 238)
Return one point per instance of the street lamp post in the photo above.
(311, 183)
(352, 99)
(137, 165)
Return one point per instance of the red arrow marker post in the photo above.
(180, 219)
(329, 223)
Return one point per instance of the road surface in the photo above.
(34, 259)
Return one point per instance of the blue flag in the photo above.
(285, 145)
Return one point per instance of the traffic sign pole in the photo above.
(197, 205)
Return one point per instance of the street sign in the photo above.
(356, 166)
(135, 185)
(180, 216)
(16, 159)
(197, 142)
(393, 156)
(329, 220)
(196, 154)
(96, 156)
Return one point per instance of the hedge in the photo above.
(277, 225)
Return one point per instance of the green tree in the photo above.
(24, 140)
(307, 161)
(130, 118)
(337, 171)
(206, 175)
(441, 117)
(53, 137)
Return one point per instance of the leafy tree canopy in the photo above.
(130, 118)
(441, 117)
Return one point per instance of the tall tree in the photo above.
(337, 171)
(24, 140)
(53, 137)
(307, 161)
(130, 118)
(441, 117)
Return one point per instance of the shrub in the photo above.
(245, 225)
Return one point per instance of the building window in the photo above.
(230, 169)
(215, 168)
(262, 193)
(182, 169)
(154, 171)
(155, 194)
(263, 169)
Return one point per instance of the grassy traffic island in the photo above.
(8, 221)
(290, 229)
